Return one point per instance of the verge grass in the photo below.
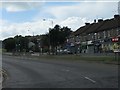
(104, 59)
(77, 57)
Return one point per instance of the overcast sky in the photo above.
(26, 18)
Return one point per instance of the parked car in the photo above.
(31, 52)
(64, 51)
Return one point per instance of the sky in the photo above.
(28, 17)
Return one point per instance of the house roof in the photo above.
(110, 24)
(94, 27)
(82, 29)
(101, 25)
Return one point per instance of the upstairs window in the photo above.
(104, 33)
(118, 31)
(109, 34)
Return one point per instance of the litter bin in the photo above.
(117, 55)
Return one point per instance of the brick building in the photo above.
(97, 37)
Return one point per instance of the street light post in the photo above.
(94, 41)
(32, 35)
(49, 35)
(49, 43)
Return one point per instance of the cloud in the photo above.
(37, 27)
(73, 16)
(74, 22)
(77, 14)
(84, 9)
(9, 29)
(20, 6)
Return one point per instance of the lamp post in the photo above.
(17, 44)
(49, 35)
(94, 41)
(39, 46)
(31, 35)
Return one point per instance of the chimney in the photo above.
(94, 20)
(87, 23)
(100, 20)
(116, 16)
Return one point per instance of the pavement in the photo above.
(27, 72)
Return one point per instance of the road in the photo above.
(24, 72)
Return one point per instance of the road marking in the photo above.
(90, 79)
(67, 70)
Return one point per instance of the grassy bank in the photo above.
(90, 58)
(77, 57)
(104, 59)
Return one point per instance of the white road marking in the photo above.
(67, 70)
(90, 79)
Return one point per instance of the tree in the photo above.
(21, 43)
(18, 43)
(9, 44)
(58, 36)
(44, 42)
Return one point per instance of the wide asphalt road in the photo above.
(26, 72)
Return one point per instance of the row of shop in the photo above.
(108, 45)
(97, 37)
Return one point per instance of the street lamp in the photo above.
(32, 35)
(49, 35)
(94, 41)
(39, 46)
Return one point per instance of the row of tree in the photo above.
(56, 37)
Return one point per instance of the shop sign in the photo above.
(116, 50)
(90, 42)
(115, 39)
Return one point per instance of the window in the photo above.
(108, 33)
(95, 36)
(98, 35)
(92, 36)
(101, 35)
(118, 31)
(104, 33)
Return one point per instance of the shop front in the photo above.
(111, 44)
(116, 43)
(90, 47)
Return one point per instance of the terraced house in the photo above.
(98, 37)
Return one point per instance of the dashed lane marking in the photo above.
(90, 79)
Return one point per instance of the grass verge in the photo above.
(77, 57)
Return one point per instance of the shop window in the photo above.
(116, 46)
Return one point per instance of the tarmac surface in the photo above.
(24, 72)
